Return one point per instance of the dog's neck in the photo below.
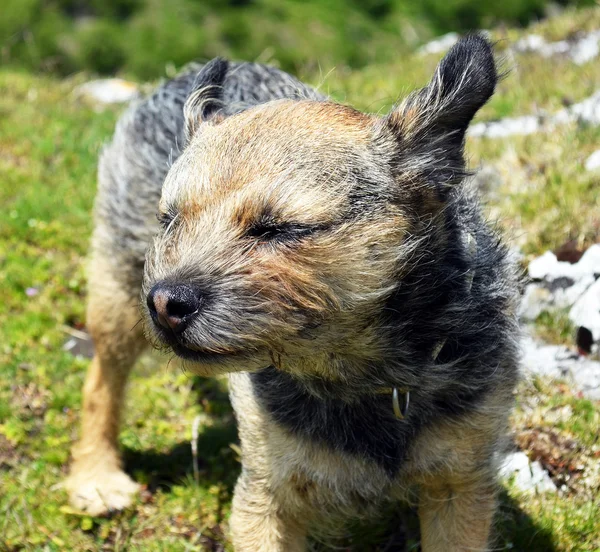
(350, 380)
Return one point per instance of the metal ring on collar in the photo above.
(400, 410)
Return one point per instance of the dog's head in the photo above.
(288, 225)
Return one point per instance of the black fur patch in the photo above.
(366, 428)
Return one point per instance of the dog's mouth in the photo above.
(228, 357)
(204, 356)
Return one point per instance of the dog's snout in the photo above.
(173, 306)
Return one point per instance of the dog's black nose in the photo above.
(173, 306)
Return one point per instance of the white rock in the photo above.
(540, 359)
(587, 111)
(580, 51)
(586, 48)
(559, 362)
(540, 480)
(561, 285)
(539, 45)
(108, 91)
(564, 297)
(508, 126)
(586, 311)
(536, 299)
(539, 297)
(439, 45)
(586, 374)
(592, 163)
(590, 261)
(526, 476)
(548, 267)
(540, 267)
(530, 43)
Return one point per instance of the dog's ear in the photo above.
(206, 100)
(430, 125)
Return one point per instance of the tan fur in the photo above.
(97, 483)
(456, 516)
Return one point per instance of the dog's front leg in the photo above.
(456, 516)
(265, 520)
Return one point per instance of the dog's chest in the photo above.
(331, 481)
(366, 431)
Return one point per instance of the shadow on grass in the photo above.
(516, 530)
(398, 531)
(217, 462)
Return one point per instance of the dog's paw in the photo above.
(101, 493)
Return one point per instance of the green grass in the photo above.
(49, 144)
(555, 327)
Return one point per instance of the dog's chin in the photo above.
(207, 363)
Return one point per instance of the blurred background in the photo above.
(142, 37)
(68, 69)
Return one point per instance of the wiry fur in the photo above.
(149, 137)
(336, 255)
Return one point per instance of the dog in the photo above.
(336, 265)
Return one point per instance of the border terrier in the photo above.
(337, 266)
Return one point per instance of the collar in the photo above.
(401, 395)
(400, 400)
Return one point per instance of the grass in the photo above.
(49, 144)
(555, 327)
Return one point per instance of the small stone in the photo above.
(542, 266)
(569, 252)
(586, 311)
(535, 300)
(526, 476)
(439, 45)
(108, 91)
(592, 163)
(584, 340)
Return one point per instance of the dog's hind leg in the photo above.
(97, 483)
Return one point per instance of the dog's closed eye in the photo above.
(165, 218)
(268, 229)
